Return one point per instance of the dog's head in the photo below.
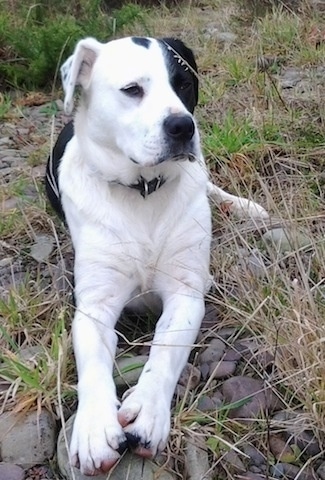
(138, 97)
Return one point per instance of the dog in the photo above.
(129, 178)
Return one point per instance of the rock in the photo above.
(233, 460)
(285, 240)
(255, 456)
(42, 247)
(281, 449)
(277, 470)
(8, 471)
(130, 466)
(252, 476)
(205, 404)
(231, 355)
(291, 77)
(27, 439)
(321, 471)
(252, 261)
(190, 376)
(290, 471)
(226, 332)
(128, 370)
(196, 459)
(31, 354)
(294, 430)
(213, 352)
(222, 369)
(252, 392)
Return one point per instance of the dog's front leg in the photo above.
(145, 412)
(97, 436)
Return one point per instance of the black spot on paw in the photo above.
(123, 445)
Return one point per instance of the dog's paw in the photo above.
(97, 440)
(145, 417)
(241, 207)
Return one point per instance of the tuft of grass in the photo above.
(35, 37)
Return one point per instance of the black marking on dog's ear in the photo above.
(142, 41)
(182, 71)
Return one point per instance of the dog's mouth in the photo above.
(179, 157)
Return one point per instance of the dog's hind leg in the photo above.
(241, 207)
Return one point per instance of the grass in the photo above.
(261, 141)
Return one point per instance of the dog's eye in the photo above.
(185, 85)
(133, 90)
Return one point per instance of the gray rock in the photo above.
(226, 37)
(255, 456)
(27, 439)
(205, 404)
(321, 471)
(252, 262)
(222, 369)
(256, 398)
(295, 431)
(213, 352)
(285, 240)
(277, 470)
(233, 460)
(190, 376)
(128, 370)
(130, 466)
(42, 247)
(196, 459)
(8, 471)
(252, 476)
(232, 355)
(290, 471)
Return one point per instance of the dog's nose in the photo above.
(179, 127)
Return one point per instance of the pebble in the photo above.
(281, 449)
(196, 459)
(259, 398)
(130, 466)
(27, 439)
(293, 426)
(285, 240)
(128, 370)
(213, 352)
(233, 460)
(42, 248)
(232, 355)
(190, 376)
(321, 471)
(290, 471)
(222, 369)
(9, 471)
(255, 456)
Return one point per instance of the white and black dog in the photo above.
(130, 180)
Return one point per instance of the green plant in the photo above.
(35, 38)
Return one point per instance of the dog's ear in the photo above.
(76, 70)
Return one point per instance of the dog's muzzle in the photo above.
(179, 129)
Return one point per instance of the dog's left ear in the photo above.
(77, 69)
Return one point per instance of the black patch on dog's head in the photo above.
(182, 70)
(142, 41)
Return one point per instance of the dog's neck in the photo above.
(145, 188)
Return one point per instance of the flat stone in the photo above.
(285, 240)
(42, 247)
(222, 369)
(190, 376)
(9, 471)
(321, 471)
(27, 439)
(255, 396)
(213, 352)
(255, 456)
(128, 370)
(196, 459)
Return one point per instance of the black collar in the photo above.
(146, 188)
